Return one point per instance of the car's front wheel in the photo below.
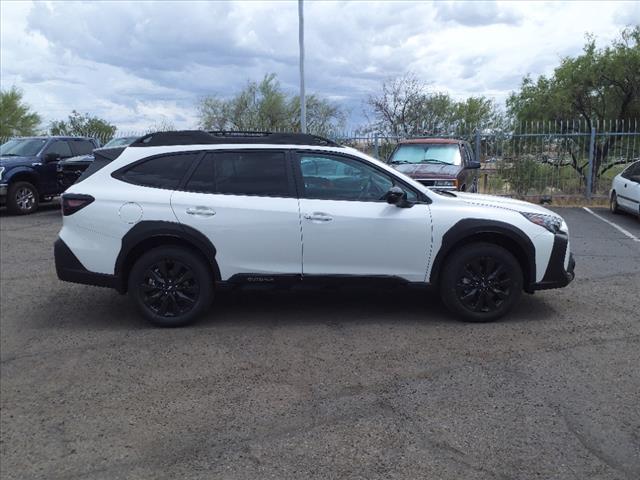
(171, 286)
(22, 198)
(613, 203)
(481, 282)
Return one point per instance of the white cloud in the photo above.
(131, 62)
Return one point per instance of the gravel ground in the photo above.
(321, 384)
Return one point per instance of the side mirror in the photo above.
(396, 196)
(51, 157)
(473, 164)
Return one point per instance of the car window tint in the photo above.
(632, 172)
(60, 148)
(202, 179)
(82, 147)
(338, 178)
(160, 172)
(250, 173)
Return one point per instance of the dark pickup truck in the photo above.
(29, 169)
(440, 163)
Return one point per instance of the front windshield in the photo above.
(427, 153)
(22, 147)
(119, 142)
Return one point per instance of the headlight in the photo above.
(550, 222)
(1, 172)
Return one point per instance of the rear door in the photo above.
(349, 229)
(244, 201)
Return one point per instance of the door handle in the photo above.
(318, 217)
(201, 211)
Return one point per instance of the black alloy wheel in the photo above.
(171, 285)
(169, 288)
(484, 284)
(481, 282)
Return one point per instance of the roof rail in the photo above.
(200, 137)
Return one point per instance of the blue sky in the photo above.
(138, 63)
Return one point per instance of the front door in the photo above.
(348, 228)
(245, 203)
(48, 169)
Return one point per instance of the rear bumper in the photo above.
(69, 269)
(556, 276)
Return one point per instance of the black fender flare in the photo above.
(470, 229)
(152, 230)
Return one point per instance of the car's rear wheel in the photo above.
(22, 198)
(613, 203)
(171, 286)
(481, 282)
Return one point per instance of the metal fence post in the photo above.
(477, 145)
(592, 146)
(376, 147)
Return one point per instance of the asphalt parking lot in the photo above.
(321, 384)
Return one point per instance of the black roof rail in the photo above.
(200, 137)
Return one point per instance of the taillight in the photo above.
(72, 202)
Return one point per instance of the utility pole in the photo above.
(303, 100)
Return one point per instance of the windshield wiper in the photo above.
(398, 162)
(9, 155)
(434, 160)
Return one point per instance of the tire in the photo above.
(481, 282)
(613, 203)
(155, 286)
(22, 198)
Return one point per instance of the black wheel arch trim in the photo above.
(470, 229)
(146, 231)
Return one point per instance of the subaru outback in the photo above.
(176, 216)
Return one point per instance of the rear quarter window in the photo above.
(165, 171)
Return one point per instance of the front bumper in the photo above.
(69, 269)
(556, 276)
(4, 188)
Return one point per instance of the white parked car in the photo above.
(625, 190)
(177, 215)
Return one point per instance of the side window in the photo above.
(61, 148)
(632, 172)
(338, 178)
(160, 172)
(252, 173)
(82, 147)
(468, 154)
(202, 179)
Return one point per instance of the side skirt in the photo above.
(282, 281)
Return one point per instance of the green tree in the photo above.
(406, 107)
(598, 85)
(16, 117)
(265, 105)
(84, 125)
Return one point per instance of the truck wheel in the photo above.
(171, 286)
(481, 282)
(22, 198)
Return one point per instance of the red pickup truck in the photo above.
(442, 163)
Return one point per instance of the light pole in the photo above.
(303, 100)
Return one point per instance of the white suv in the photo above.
(177, 215)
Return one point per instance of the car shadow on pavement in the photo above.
(104, 309)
